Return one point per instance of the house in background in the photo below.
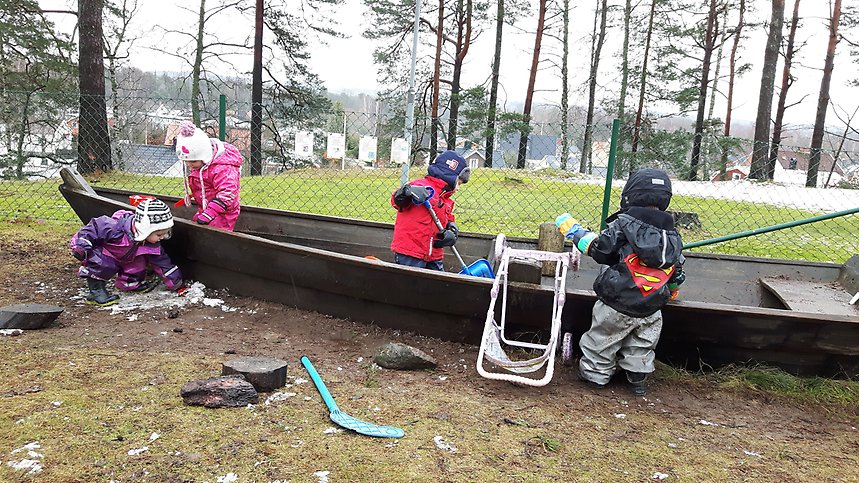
(791, 168)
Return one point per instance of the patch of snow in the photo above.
(392, 444)
(332, 430)
(706, 423)
(442, 445)
(339, 368)
(658, 476)
(672, 445)
(163, 333)
(137, 451)
(56, 404)
(297, 443)
(360, 359)
(620, 416)
(322, 475)
(156, 299)
(279, 396)
(132, 317)
(299, 380)
(29, 447)
(442, 378)
(307, 398)
(212, 302)
(228, 478)
(35, 466)
(154, 436)
(752, 453)
(11, 332)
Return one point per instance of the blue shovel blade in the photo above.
(369, 429)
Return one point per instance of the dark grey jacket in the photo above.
(643, 252)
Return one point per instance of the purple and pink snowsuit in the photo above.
(215, 187)
(108, 244)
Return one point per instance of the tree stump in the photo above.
(550, 240)
(28, 316)
(265, 373)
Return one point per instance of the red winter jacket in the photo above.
(414, 229)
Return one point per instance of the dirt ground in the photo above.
(685, 429)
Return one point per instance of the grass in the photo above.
(838, 395)
(496, 201)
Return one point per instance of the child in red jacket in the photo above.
(417, 241)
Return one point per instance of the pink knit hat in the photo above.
(192, 144)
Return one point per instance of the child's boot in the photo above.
(98, 294)
(146, 286)
(638, 381)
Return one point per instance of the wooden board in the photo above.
(811, 297)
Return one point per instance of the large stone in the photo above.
(220, 392)
(265, 373)
(686, 219)
(400, 356)
(28, 316)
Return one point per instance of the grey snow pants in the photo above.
(616, 339)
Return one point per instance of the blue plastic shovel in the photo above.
(344, 420)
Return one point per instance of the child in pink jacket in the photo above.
(213, 177)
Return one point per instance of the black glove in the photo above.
(452, 227)
(446, 237)
(411, 195)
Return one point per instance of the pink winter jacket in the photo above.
(215, 187)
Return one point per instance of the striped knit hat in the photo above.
(150, 216)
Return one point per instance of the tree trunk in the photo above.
(197, 67)
(765, 100)
(636, 133)
(493, 89)
(731, 76)
(256, 95)
(709, 41)
(599, 39)
(786, 81)
(624, 87)
(532, 79)
(93, 136)
(565, 88)
(435, 81)
(823, 98)
(463, 40)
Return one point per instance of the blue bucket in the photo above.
(480, 268)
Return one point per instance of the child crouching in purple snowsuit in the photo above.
(124, 245)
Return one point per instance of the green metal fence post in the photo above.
(767, 229)
(222, 117)
(612, 152)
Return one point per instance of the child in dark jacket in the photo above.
(417, 241)
(642, 251)
(124, 245)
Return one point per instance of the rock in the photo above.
(220, 392)
(265, 373)
(28, 316)
(401, 356)
(686, 219)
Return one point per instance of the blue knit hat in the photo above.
(449, 166)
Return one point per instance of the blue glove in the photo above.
(568, 226)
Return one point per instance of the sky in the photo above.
(347, 64)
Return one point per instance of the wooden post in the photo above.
(550, 240)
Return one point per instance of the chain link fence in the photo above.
(347, 164)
